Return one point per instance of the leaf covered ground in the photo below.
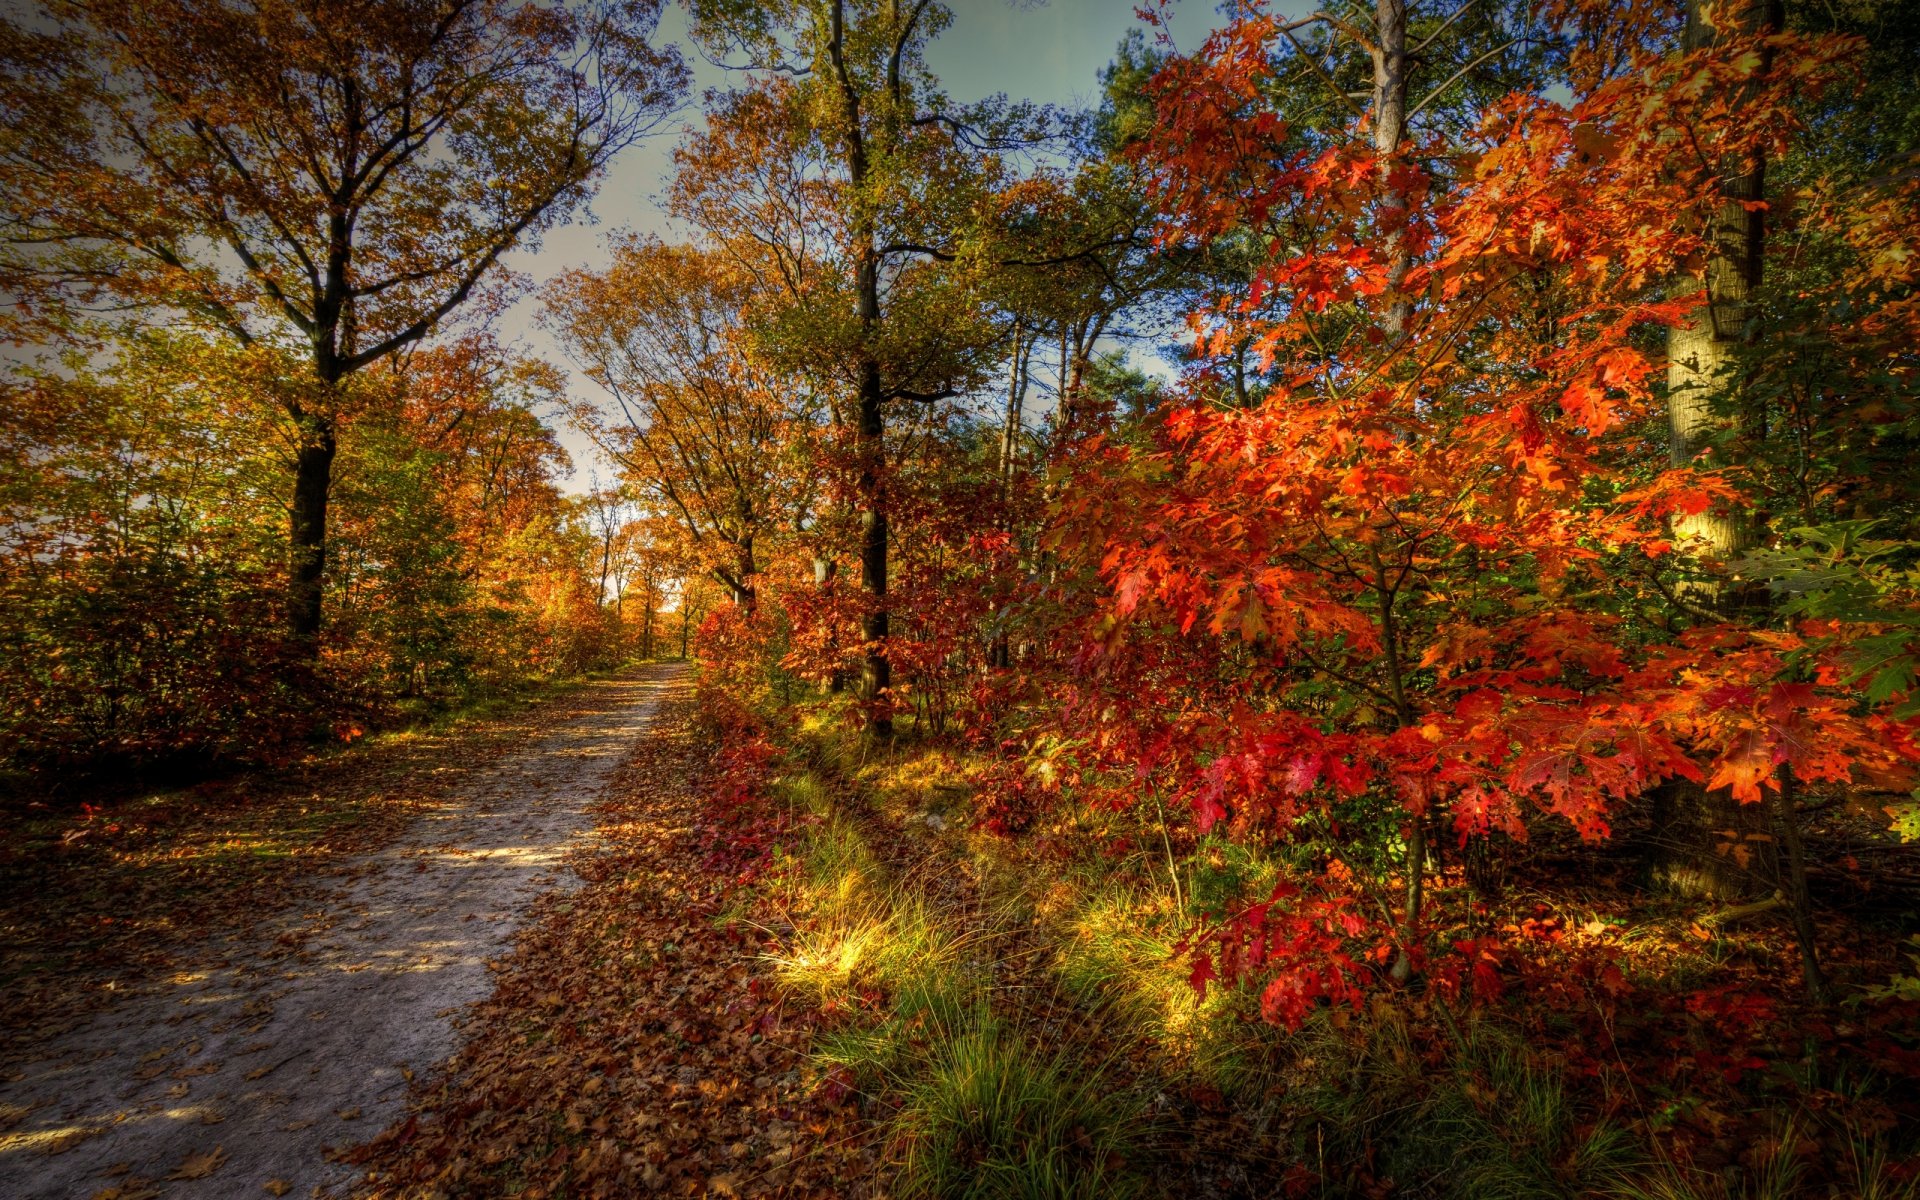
(274, 1045)
(100, 901)
(636, 1042)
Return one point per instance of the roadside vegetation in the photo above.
(1021, 1022)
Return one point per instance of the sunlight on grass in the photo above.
(976, 1110)
(1116, 955)
(821, 963)
(858, 931)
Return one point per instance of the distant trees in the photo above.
(141, 567)
(703, 429)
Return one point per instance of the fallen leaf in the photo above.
(277, 1187)
(199, 1166)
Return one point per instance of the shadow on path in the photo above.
(240, 1076)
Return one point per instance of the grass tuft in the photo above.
(1492, 1123)
(993, 1118)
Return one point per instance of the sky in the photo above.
(1048, 52)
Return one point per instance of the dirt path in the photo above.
(234, 1080)
(637, 1042)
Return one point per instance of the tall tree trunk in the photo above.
(307, 532)
(1700, 353)
(1065, 391)
(1389, 130)
(646, 626)
(1701, 358)
(1390, 84)
(1016, 408)
(606, 565)
(876, 672)
(999, 652)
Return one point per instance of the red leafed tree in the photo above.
(1411, 580)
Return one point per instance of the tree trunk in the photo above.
(307, 533)
(835, 682)
(876, 673)
(999, 652)
(1700, 353)
(1389, 129)
(744, 592)
(1794, 885)
(646, 626)
(1704, 845)
(1706, 842)
(1016, 408)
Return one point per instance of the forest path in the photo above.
(236, 1079)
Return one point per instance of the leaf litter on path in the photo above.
(339, 998)
(635, 1044)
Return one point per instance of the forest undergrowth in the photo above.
(1016, 1018)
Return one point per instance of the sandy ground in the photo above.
(236, 1079)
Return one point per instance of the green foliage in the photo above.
(1867, 585)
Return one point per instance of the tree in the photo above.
(1420, 544)
(339, 176)
(704, 427)
(1700, 349)
(850, 183)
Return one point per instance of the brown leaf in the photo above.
(199, 1166)
(277, 1187)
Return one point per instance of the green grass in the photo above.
(991, 1117)
(1115, 955)
(971, 1107)
(1490, 1122)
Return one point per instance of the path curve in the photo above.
(235, 1080)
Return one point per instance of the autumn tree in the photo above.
(341, 178)
(850, 183)
(701, 426)
(140, 575)
(1421, 538)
